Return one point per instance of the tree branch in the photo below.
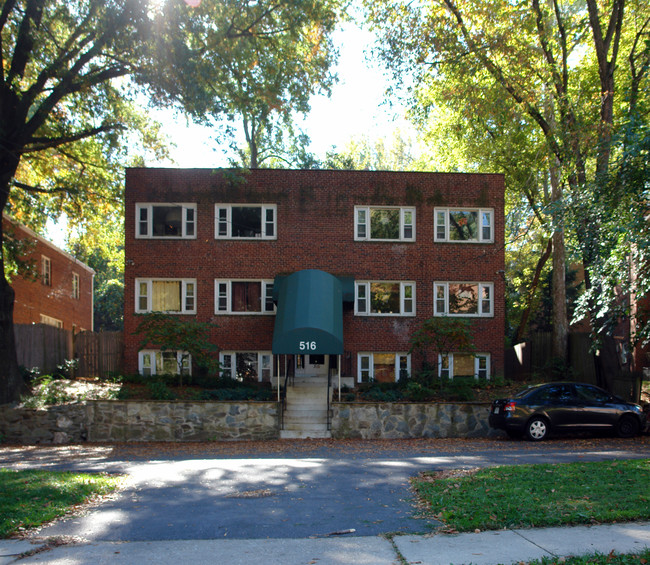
(40, 190)
(40, 143)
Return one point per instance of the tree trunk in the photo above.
(560, 319)
(521, 328)
(11, 382)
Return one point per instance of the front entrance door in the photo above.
(311, 365)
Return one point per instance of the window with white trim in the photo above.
(463, 299)
(464, 365)
(247, 365)
(464, 225)
(243, 297)
(245, 221)
(384, 223)
(173, 296)
(165, 220)
(383, 367)
(46, 271)
(49, 321)
(75, 286)
(156, 362)
(384, 298)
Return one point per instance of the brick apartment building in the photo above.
(313, 272)
(58, 291)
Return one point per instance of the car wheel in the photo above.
(627, 427)
(536, 429)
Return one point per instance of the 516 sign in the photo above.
(307, 346)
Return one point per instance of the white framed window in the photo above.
(384, 298)
(463, 299)
(156, 362)
(75, 286)
(383, 367)
(49, 321)
(247, 365)
(464, 225)
(173, 296)
(464, 365)
(165, 220)
(243, 297)
(384, 223)
(46, 271)
(245, 221)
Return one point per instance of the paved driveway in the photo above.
(288, 489)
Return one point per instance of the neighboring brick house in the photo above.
(309, 270)
(59, 290)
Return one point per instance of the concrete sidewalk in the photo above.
(485, 548)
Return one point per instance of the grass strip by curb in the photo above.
(526, 496)
(613, 558)
(30, 498)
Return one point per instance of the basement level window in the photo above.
(464, 365)
(248, 366)
(155, 362)
(383, 367)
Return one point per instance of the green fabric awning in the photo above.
(309, 316)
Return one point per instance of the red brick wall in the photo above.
(315, 230)
(56, 300)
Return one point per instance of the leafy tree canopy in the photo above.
(66, 94)
(257, 62)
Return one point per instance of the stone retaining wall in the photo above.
(106, 421)
(395, 420)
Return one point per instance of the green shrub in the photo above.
(240, 393)
(378, 394)
(123, 394)
(46, 392)
(459, 391)
(160, 391)
(417, 392)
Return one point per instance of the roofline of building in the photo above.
(40, 238)
(316, 171)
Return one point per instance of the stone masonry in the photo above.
(131, 421)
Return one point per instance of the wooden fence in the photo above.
(99, 354)
(43, 347)
(532, 360)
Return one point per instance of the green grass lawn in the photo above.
(641, 558)
(524, 496)
(31, 498)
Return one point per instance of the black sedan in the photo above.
(565, 406)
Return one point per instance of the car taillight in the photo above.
(509, 407)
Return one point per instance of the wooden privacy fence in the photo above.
(532, 360)
(99, 354)
(43, 347)
(535, 357)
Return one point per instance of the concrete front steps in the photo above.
(306, 413)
